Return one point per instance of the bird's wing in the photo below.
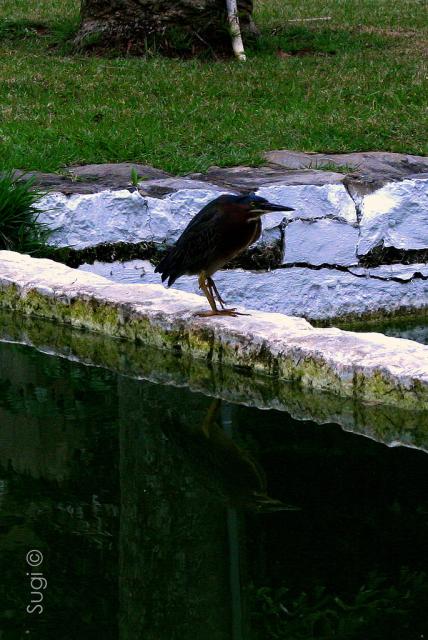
(207, 213)
(196, 248)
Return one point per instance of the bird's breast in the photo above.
(234, 237)
(241, 235)
(247, 232)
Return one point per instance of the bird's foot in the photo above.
(220, 312)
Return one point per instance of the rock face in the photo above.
(312, 201)
(120, 216)
(366, 367)
(320, 242)
(251, 178)
(377, 215)
(92, 178)
(395, 215)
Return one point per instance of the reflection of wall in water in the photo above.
(44, 412)
(174, 560)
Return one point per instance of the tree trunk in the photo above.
(183, 27)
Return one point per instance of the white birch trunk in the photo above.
(237, 44)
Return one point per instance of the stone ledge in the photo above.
(92, 178)
(366, 367)
(84, 220)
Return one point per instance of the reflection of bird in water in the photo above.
(229, 470)
(218, 233)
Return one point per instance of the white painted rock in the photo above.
(317, 294)
(320, 242)
(168, 217)
(397, 215)
(122, 216)
(131, 271)
(312, 201)
(108, 216)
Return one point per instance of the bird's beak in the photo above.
(269, 206)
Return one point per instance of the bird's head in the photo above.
(255, 206)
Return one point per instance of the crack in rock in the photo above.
(417, 275)
(329, 216)
(356, 197)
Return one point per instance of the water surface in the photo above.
(165, 514)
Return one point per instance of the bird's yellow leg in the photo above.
(204, 286)
(213, 288)
(202, 280)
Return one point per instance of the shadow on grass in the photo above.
(287, 41)
(55, 34)
(303, 41)
(16, 29)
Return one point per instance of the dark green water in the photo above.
(159, 516)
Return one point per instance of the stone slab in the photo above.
(247, 179)
(312, 201)
(403, 272)
(318, 242)
(367, 367)
(392, 216)
(381, 165)
(85, 220)
(111, 173)
(92, 178)
(316, 294)
(362, 170)
(160, 188)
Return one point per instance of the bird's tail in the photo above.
(166, 268)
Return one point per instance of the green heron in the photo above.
(219, 232)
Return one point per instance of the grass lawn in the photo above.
(355, 82)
